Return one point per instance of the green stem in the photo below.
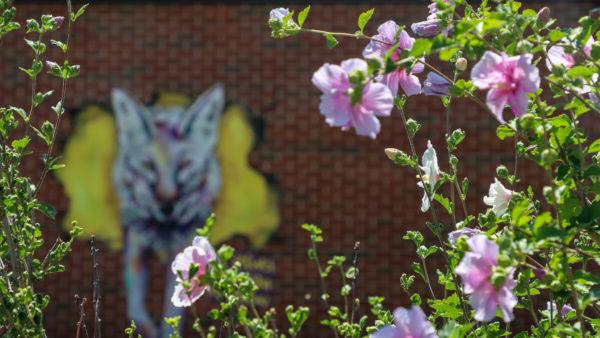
(322, 282)
(426, 275)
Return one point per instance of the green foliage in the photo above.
(22, 260)
(547, 235)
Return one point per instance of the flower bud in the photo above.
(539, 273)
(51, 65)
(543, 15)
(426, 29)
(58, 21)
(392, 153)
(461, 64)
(566, 309)
(595, 13)
(356, 76)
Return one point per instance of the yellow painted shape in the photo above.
(246, 205)
(89, 156)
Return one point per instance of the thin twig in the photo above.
(354, 266)
(81, 321)
(96, 289)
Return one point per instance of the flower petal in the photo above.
(487, 71)
(496, 100)
(558, 56)
(330, 79)
(336, 109)
(366, 124)
(377, 98)
(410, 83)
(354, 64)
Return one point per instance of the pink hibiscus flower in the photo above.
(408, 323)
(200, 253)
(508, 81)
(475, 270)
(558, 56)
(587, 48)
(386, 37)
(345, 104)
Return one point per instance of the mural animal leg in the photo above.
(168, 309)
(136, 281)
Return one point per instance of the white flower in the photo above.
(431, 174)
(498, 198)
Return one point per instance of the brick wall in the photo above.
(335, 179)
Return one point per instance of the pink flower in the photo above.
(436, 85)
(563, 311)
(388, 34)
(429, 27)
(587, 48)
(200, 254)
(558, 56)
(463, 232)
(410, 323)
(346, 104)
(498, 198)
(508, 79)
(475, 270)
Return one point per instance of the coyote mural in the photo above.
(166, 176)
(172, 165)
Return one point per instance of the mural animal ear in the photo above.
(205, 112)
(134, 123)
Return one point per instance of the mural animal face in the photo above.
(166, 174)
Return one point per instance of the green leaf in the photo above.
(303, 15)
(364, 18)
(582, 71)
(455, 138)
(37, 46)
(594, 147)
(461, 88)
(446, 308)
(20, 144)
(46, 209)
(413, 127)
(19, 111)
(556, 35)
(503, 131)
(80, 11)
(421, 47)
(45, 132)
(416, 299)
(414, 236)
(40, 97)
(444, 202)
(63, 46)
(330, 40)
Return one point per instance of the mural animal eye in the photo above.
(184, 164)
(148, 164)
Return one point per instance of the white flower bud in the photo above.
(461, 64)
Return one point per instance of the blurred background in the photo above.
(275, 149)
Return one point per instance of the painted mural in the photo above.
(143, 178)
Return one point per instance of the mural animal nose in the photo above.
(167, 209)
(166, 193)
